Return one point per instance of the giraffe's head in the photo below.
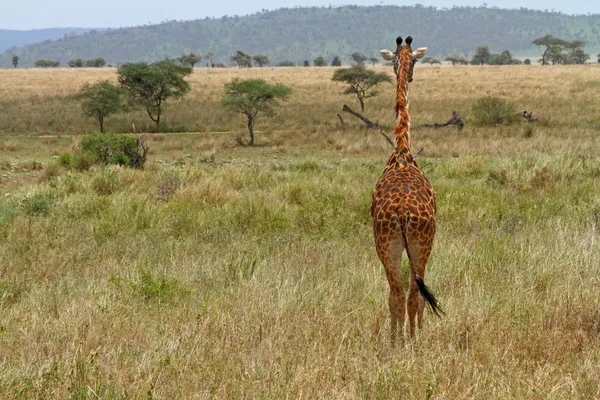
(404, 56)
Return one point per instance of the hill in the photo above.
(14, 38)
(304, 33)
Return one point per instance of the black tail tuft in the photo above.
(433, 303)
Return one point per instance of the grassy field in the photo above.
(224, 271)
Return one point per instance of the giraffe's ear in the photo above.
(419, 53)
(387, 55)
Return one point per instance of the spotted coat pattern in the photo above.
(403, 209)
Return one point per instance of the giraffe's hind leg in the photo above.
(391, 260)
(397, 305)
(418, 252)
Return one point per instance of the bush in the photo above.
(157, 287)
(66, 160)
(109, 148)
(38, 204)
(83, 161)
(494, 111)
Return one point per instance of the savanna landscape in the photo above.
(223, 270)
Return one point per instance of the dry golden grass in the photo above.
(224, 271)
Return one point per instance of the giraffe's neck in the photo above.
(402, 154)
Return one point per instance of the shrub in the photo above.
(66, 160)
(38, 204)
(157, 287)
(286, 64)
(493, 111)
(83, 161)
(109, 148)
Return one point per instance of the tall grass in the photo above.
(251, 273)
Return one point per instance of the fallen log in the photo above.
(370, 124)
(361, 117)
(454, 121)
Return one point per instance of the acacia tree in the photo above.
(260, 60)
(374, 60)
(101, 99)
(360, 82)
(242, 59)
(252, 97)
(577, 55)
(431, 60)
(15, 60)
(454, 59)
(190, 60)
(359, 58)
(151, 85)
(550, 42)
(336, 62)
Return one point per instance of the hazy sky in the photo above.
(35, 14)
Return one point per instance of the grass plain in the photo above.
(223, 271)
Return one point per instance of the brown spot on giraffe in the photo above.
(403, 208)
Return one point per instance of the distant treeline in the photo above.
(299, 34)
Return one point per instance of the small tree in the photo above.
(373, 60)
(527, 61)
(359, 58)
(556, 56)
(15, 60)
(361, 81)
(306, 63)
(260, 60)
(336, 62)
(504, 58)
(482, 55)
(151, 85)
(242, 59)
(101, 99)
(209, 56)
(252, 97)
(190, 60)
(319, 62)
(286, 63)
(598, 60)
(579, 56)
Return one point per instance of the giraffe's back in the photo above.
(403, 202)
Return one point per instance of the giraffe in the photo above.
(403, 208)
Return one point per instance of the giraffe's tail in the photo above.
(431, 300)
(423, 289)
